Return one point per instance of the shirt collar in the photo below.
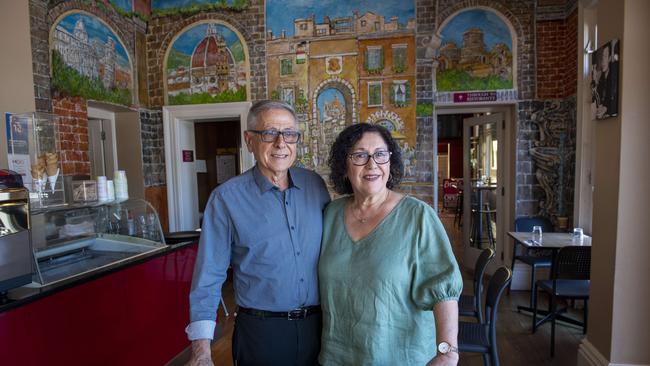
(295, 179)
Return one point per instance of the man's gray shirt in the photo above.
(269, 237)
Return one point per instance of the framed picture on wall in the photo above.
(604, 80)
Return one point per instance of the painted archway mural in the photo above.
(476, 52)
(206, 63)
(89, 60)
(333, 109)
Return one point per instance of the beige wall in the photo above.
(620, 295)
(631, 319)
(17, 86)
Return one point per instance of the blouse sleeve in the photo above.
(436, 276)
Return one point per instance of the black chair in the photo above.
(470, 305)
(569, 281)
(531, 257)
(482, 337)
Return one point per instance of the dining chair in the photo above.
(482, 337)
(471, 305)
(530, 256)
(569, 281)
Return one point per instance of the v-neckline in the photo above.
(376, 228)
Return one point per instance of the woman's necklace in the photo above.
(363, 220)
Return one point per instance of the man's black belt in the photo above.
(300, 313)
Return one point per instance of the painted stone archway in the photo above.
(333, 108)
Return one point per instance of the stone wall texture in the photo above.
(153, 147)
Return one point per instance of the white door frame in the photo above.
(172, 117)
(507, 153)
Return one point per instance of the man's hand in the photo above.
(201, 354)
(448, 359)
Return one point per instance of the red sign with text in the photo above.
(473, 97)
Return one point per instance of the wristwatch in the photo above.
(444, 348)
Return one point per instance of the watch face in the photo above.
(443, 347)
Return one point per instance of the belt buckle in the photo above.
(297, 314)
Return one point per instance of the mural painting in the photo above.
(340, 63)
(89, 60)
(475, 54)
(170, 7)
(206, 64)
(126, 5)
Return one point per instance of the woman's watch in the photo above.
(444, 348)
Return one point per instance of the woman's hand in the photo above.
(448, 359)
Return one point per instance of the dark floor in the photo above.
(517, 346)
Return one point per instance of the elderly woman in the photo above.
(385, 264)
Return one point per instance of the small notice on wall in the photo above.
(473, 97)
(226, 167)
(188, 156)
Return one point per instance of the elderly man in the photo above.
(267, 225)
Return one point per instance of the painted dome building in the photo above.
(211, 64)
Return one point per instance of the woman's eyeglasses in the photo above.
(289, 136)
(362, 158)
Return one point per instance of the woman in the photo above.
(385, 263)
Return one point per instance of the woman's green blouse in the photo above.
(378, 293)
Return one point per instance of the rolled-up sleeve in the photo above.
(436, 276)
(211, 267)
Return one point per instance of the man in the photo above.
(267, 225)
(606, 102)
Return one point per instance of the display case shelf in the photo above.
(72, 240)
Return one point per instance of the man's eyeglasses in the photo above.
(362, 158)
(289, 136)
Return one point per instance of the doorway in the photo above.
(217, 158)
(180, 151)
(100, 147)
(476, 148)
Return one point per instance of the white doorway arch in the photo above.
(178, 123)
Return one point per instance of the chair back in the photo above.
(498, 282)
(525, 224)
(479, 270)
(572, 263)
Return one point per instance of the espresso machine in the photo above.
(15, 246)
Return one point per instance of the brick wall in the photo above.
(557, 60)
(249, 23)
(73, 134)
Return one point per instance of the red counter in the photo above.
(133, 316)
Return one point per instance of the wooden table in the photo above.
(553, 242)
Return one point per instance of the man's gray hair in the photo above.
(265, 105)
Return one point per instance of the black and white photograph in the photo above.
(604, 80)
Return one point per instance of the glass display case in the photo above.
(35, 153)
(73, 240)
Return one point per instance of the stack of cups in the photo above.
(121, 186)
(111, 190)
(102, 189)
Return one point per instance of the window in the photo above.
(399, 58)
(286, 66)
(374, 59)
(400, 93)
(377, 26)
(374, 94)
(303, 26)
(363, 23)
(288, 96)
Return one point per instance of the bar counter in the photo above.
(133, 313)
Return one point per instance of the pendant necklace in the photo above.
(364, 220)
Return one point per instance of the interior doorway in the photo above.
(100, 147)
(217, 158)
(181, 152)
(475, 177)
